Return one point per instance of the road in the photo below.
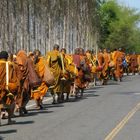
(109, 112)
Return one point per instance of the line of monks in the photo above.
(24, 77)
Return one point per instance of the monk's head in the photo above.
(115, 50)
(31, 55)
(76, 51)
(37, 53)
(21, 53)
(4, 55)
(63, 50)
(88, 51)
(100, 50)
(81, 51)
(21, 58)
(56, 47)
(104, 50)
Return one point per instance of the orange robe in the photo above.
(13, 85)
(118, 59)
(133, 63)
(28, 78)
(106, 65)
(138, 59)
(54, 61)
(70, 73)
(100, 59)
(41, 91)
(100, 65)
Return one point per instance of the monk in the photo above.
(138, 59)
(9, 85)
(70, 73)
(81, 80)
(111, 66)
(100, 60)
(55, 64)
(40, 67)
(118, 60)
(76, 58)
(105, 71)
(93, 67)
(88, 64)
(133, 63)
(28, 80)
(127, 57)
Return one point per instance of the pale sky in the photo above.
(131, 3)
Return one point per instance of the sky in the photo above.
(131, 3)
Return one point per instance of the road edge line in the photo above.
(117, 129)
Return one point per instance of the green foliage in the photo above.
(119, 26)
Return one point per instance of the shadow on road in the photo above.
(1, 138)
(94, 88)
(24, 122)
(78, 99)
(89, 91)
(129, 93)
(26, 115)
(36, 112)
(16, 123)
(113, 83)
(91, 95)
(52, 105)
(8, 132)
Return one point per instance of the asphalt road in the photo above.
(109, 112)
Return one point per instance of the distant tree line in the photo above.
(39, 24)
(119, 26)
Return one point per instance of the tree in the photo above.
(118, 26)
(38, 24)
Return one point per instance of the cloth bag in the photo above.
(48, 76)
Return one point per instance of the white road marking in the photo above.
(125, 120)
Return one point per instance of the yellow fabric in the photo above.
(13, 79)
(138, 59)
(138, 63)
(69, 59)
(40, 66)
(43, 88)
(100, 59)
(69, 65)
(93, 69)
(106, 63)
(54, 60)
(118, 64)
(13, 85)
(40, 91)
(88, 55)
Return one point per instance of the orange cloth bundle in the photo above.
(35, 94)
(39, 92)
